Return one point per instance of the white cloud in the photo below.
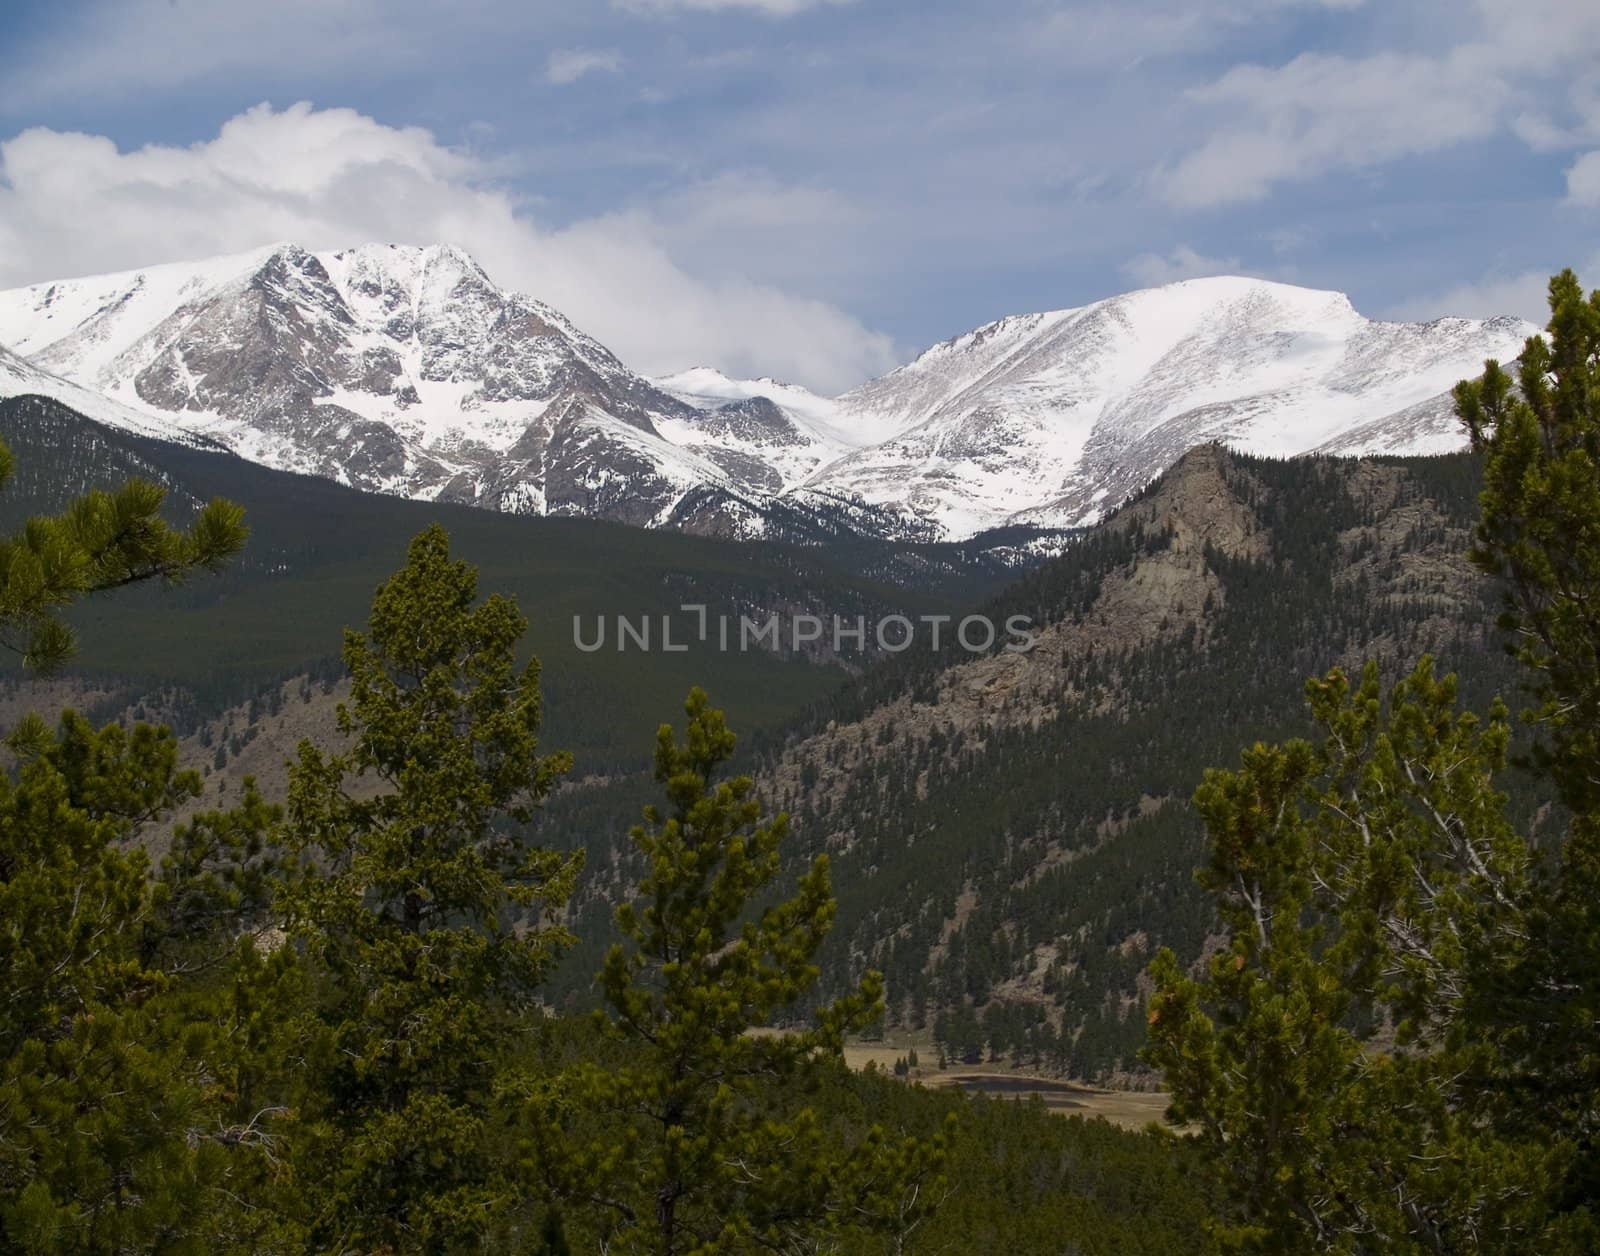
(1583, 181)
(1317, 114)
(1540, 34)
(748, 222)
(1151, 270)
(568, 65)
(75, 204)
(1321, 113)
(1523, 293)
(1542, 133)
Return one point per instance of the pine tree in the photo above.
(1540, 536)
(114, 1131)
(1540, 528)
(1374, 892)
(693, 1141)
(101, 541)
(425, 913)
(1396, 1051)
(108, 1124)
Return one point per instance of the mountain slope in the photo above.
(405, 370)
(773, 433)
(393, 369)
(1056, 418)
(317, 550)
(19, 377)
(1010, 832)
(1011, 835)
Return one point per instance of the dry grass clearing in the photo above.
(1131, 1109)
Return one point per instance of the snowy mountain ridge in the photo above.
(405, 369)
(1055, 418)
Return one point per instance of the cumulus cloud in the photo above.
(331, 178)
(1539, 34)
(1583, 181)
(1522, 293)
(1316, 114)
(568, 65)
(1151, 270)
(749, 222)
(1319, 113)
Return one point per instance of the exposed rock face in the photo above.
(1163, 594)
(1057, 418)
(400, 370)
(1200, 509)
(407, 370)
(1014, 828)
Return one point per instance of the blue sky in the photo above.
(818, 188)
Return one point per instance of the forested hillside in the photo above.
(339, 1023)
(1012, 832)
(321, 1026)
(1012, 835)
(318, 550)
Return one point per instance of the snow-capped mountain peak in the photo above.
(405, 369)
(396, 368)
(1055, 418)
(19, 376)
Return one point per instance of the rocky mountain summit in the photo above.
(406, 370)
(1054, 419)
(1012, 832)
(393, 369)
